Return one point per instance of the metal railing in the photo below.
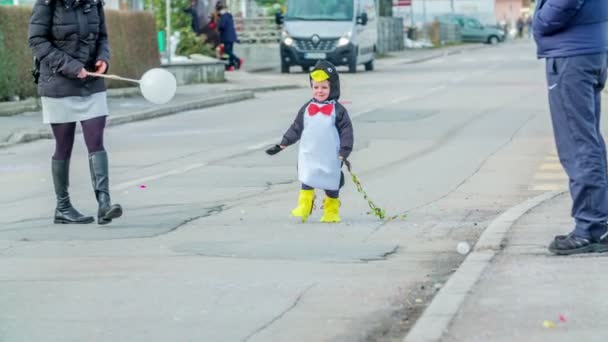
(259, 30)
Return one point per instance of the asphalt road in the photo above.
(207, 251)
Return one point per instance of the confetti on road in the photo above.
(549, 324)
(562, 318)
(143, 186)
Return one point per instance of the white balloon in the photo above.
(158, 86)
(463, 248)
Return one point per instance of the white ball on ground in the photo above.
(463, 248)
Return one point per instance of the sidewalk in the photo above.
(127, 104)
(522, 292)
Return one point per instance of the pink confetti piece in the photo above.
(143, 186)
(562, 318)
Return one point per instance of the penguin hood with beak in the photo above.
(324, 70)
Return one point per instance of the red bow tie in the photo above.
(313, 109)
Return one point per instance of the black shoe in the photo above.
(560, 237)
(65, 213)
(602, 245)
(572, 244)
(98, 164)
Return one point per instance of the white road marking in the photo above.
(139, 181)
(262, 144)
(551, 167)
(548, 187)
(551, 176)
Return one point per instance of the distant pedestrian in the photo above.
(572, 36)
(278, 15)
(195, 25)
(520, 27)
(325, 132)
(69, 38)
(228, 35)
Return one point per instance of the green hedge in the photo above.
(15, 56)
(133, 46)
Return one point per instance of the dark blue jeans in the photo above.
(575, 85)
(232, 58)
(328, 193)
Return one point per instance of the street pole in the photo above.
(168, 30)
(412, 14)
(452, 5)
(423, 13)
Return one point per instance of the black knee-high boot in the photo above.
(65, 212)
(98, 163)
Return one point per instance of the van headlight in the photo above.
(287, 40)
(345, 39)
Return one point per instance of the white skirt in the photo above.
(73, 108)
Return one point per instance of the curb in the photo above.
(134, 91)
(33, 104)
(270, 88)
(436, 319)
(18, 107)
(444, 54)
(45, 133)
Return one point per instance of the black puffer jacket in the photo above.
(65, 36)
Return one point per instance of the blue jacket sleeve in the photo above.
(554, 15)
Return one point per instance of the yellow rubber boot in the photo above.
(331, 210)
(305, 202)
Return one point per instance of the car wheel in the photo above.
(369, 66)
(284, 68)
(352, 65)
(306, 69)
(493, 40)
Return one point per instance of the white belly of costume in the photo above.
(318, 162)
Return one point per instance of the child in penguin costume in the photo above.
(325, 132)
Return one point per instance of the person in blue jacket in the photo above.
(228, 35)
(572, 37)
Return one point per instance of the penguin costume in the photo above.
(325, 132)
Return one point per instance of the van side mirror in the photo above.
(362, 19)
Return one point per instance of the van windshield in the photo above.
(319, 10)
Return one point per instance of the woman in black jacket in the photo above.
(69, 38)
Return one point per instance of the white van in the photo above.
(343, 32)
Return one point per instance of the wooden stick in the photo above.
(113, 77)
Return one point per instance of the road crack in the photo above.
(211, 211)
(280, 315)
(479, 167)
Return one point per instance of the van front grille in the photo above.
(323, 45)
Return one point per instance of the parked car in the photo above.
(472, 30)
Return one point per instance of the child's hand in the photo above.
(274, 150)
(345, 161)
